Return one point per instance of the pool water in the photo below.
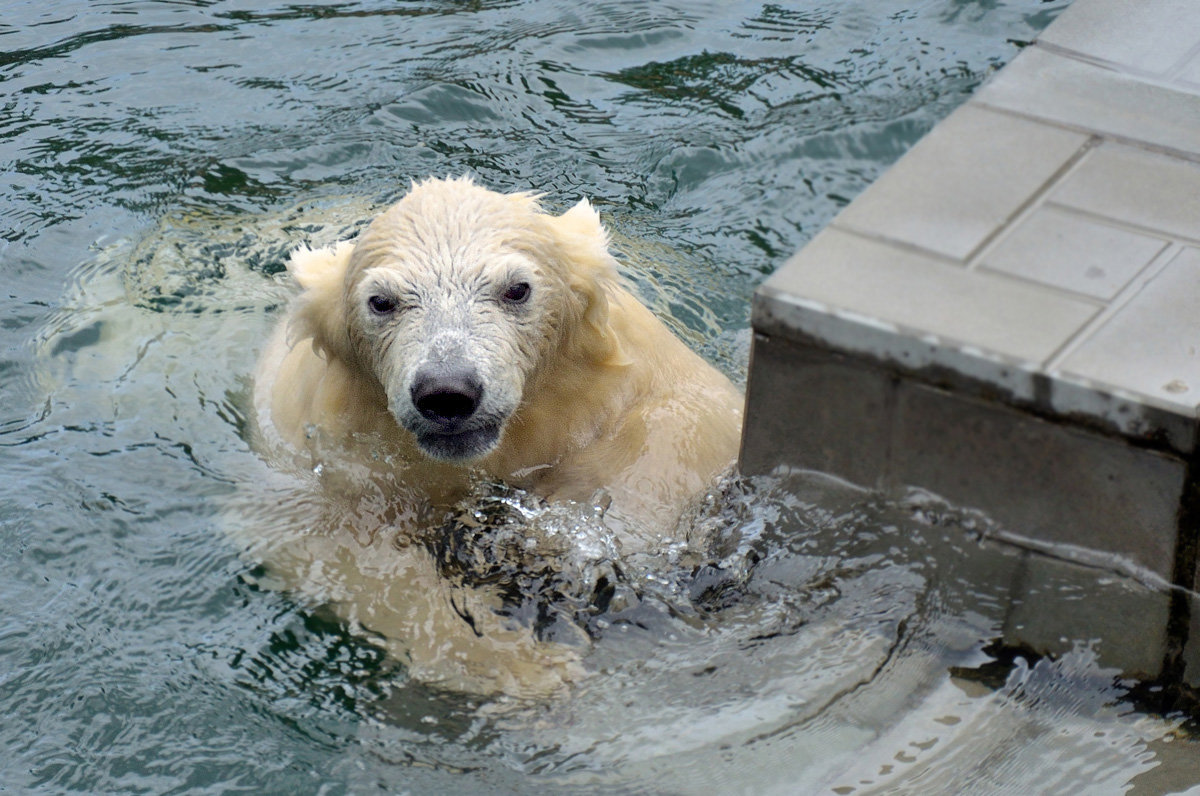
(161, 158)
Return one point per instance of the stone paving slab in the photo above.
(1138, 188)
(1149, 344)
(1067, 250)
(1090, 97)
(1150, 37)
(1010, 316)
(933, 197)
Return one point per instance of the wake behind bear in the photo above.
(470, 335)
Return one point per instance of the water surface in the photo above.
(161, 158)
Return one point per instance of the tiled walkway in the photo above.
(1010, 316)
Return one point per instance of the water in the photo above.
(159, 161)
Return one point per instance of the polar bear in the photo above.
(470, 334)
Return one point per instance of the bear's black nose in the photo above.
(446, 395)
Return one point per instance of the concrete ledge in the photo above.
(1010, 316)
(876, 426)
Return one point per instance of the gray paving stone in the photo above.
(1147, 35)
(1151, 346)
(1146, 189)
(922, 295)
(815, 410)
(1038, 479)
(1069, 251)
(973, 574)
(1093, 98)
(934, 197)
(1058, 605)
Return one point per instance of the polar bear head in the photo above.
(452, 300)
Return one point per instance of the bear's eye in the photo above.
(382, 305)
(517, 293)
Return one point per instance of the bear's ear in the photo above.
(314, 267)
(320, 311)
(591, 275)
(579, 229)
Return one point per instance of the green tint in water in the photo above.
(161, 158)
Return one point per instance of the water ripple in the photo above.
(163, 158)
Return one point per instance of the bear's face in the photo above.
(453, 299)
(452, 337)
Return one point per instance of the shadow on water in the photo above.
(162, 158)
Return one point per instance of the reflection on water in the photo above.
(160, 160)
